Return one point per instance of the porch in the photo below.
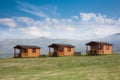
(94, 52)
(17, 53)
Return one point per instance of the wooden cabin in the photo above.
(95, 48)
(26, 51)
(61, 50)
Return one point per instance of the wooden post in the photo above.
(14, 52)
(49, 51)
(87, 49)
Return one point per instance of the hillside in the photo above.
(6, 46)
(106, 67)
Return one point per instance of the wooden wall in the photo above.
(107, 51)
(65, 51)
(59, 53)
(30, 53)
(104, 49)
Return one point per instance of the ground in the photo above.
(105, 67)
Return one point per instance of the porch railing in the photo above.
(17, 55)
(94, 52)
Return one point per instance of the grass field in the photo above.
(105, 67)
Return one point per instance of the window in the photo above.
(33, 50)
(100, 47)
(94, 47)
(24, 50)
(69, 49)
(60, 49)
(107, 47)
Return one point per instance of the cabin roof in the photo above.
(26, 46)
(61, 45)
(96, 42)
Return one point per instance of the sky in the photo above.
(64, 19)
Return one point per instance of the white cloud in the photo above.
(87, 16)
(98, 18)
(90, 25)
(40, 11)
(24, 19)
(8, 22)
(55, 21)
(72, 29)
(35, 31)
(74, 17)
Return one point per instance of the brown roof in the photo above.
(60, 45)
(26, 46)
(96, 42)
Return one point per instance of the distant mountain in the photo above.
(115, 40)
(6, 46)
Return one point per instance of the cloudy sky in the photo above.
(68, 19)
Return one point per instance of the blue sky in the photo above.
(71, 19)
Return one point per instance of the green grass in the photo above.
(105, 67)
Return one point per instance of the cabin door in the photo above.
(54, 53)
(95, 52)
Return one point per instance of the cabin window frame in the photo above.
(60, 49)
(94, 46)
(69, 49)
(100, 47)
(24, 50)
(107, 47)
(33, 50)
